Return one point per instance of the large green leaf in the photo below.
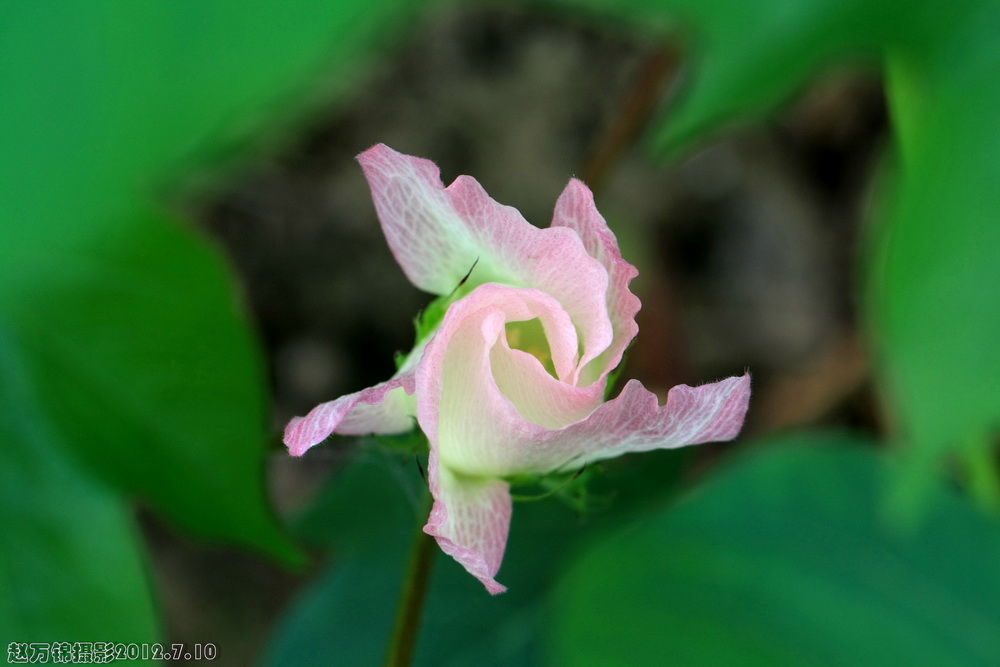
(128, 323)
(934, 275)
(140, 355)
(784, 559)
(70, 565)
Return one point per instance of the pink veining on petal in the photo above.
(553, 260)
(378, 409)
(432, 244)
(470, 521)
(437, 234)
(636, 422)
(575, 209)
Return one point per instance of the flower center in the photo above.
(529, 336)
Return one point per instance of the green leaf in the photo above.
(105, 101)
(934, 272)
(783, 559)
(141, 357)
(745, 58)
(368, 518)
(750, 57)
(128, 323)
(368, 515)
(71, 568)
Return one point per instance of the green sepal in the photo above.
(571, 488)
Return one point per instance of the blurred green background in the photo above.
(189, 257)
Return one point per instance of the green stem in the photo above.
(411, 601)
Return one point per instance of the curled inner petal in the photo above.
(529, 337)
(576, 210)
(478, 388)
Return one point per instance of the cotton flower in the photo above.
(512, 379)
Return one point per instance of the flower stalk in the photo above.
(409, 612)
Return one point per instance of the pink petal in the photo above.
(479, 430)
(429, 239)
(383, 408)
(635, 422)
(466, 414)
(539, 397)
(437, 234)
(476, 402)
(576, 209)
(470, 521)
